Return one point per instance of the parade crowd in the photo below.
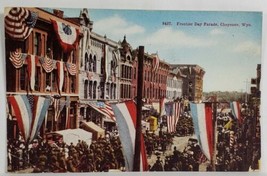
(101, 156)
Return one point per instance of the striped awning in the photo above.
(104, 108)
(19, 23)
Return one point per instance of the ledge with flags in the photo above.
(18, 60)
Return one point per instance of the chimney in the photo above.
(58, 13)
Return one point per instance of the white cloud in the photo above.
(248, 47)
(216, 32)
(115, 27)
(174, 38)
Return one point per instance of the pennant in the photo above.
(32, 61)
(19, 23)
(17, 59)
(40, 108)
(202, 120)
(126, 119)
(236, 111)
(60, 75)
(23, 113)
(67, 35)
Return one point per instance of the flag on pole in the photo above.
(173, 110)
(202, 120)
(235, 107)
(125, 114)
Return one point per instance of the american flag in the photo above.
(173, 111)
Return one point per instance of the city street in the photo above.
(180, 143)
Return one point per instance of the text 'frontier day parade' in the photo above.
(97, 90)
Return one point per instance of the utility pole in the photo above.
(136, 166)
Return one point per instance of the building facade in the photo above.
(174, 86)
(192, 78)
(42, 65)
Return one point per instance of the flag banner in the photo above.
(58, 107)
(125, 114)
(40, 108)
(104, 108)
(60, 74)
(155, 62)
(71, 68)
(162, 106)
(236, 111)
(173, 110)
(23, 112)
(66, 35)
(32, 61)
(17, 59)
(19, 23)
(47, 64)
(202, 120)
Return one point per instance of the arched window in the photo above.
(94, 90)
(86, 66)
(90, 89)
(94, 64)
(86, 89)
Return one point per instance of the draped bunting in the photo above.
(47, 64)
(67, 35)
(17, 59)
(71, 68)
(29, 118)
(19, 23)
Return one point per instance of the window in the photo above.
(37, 42)
(72, 84)
(94, 64)
(134, 73)
(94, 90)
(48, 82)
(23, 79)
(86, 66)
(102, 65)
(54, 80)
(86, 89)
(37, 84)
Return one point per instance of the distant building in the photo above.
(192, 78)
(174, 86)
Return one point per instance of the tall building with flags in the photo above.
(42, 71)
(192, 77)
(155, 73)
(98, 74)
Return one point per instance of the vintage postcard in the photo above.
(99, 90)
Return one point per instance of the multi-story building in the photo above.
(192, 77)
(174, 86)
(41, 63)
(99, 83)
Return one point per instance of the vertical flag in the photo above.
(40, 108)
(22, 110)
(162, 106)
(202, 119)
(235, 107)
(32, 61)
(60, 74)
(29, 118)
(125, 114)
(173, 110)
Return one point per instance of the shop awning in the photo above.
(93, 128)
(104, 108)
(73, 135)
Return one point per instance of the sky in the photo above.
(227, 45)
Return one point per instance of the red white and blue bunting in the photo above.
(17, 59)
(47, 64)
(19, 23)
(67, 35)
(71, 68)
